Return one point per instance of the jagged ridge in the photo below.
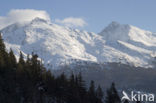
(58, 45)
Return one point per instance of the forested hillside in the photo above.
(27, 81)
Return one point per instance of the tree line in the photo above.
(28, 81)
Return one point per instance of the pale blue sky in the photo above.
(97, 13)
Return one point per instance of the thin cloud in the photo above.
(20, 15)
(72, 22)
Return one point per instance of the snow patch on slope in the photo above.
(58, 45)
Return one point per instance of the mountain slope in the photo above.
(57, 45)
(137, 43)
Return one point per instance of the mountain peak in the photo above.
(116, 31)
(114, 24)
(37, 20)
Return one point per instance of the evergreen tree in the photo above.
(112, 95)
(92, 88)
(2, 45)
(21, 59)
(92, 92)
(2, 51)
(7, 76)
(81, 87)
(12, 59)
(72, 80)
(99, 93)
(72, 90)
(3, 54)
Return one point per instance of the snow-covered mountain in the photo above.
(57, 45)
